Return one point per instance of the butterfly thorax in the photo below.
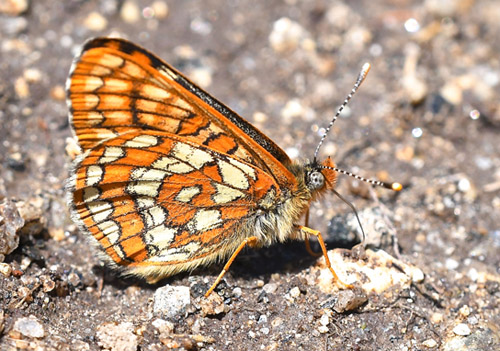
(279, 222)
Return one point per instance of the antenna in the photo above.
(361, 77)
(392, 186)
(354, 210)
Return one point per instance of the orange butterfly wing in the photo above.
(116, 86)
(170, 178)
(153, 198)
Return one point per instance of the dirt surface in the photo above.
(427, 116)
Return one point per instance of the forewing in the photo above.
(116, 86)
(153, 198)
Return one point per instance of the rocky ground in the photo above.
(428, 116)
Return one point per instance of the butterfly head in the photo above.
(321, 176)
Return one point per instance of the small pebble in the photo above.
(21, 87)
(32, 75)
(10, 221)
(323, 329)
(117, 337)
(464, 311)
(5, 269)
(14, 26)
(164, 327)
(130, 12)
(430, 343)
(171, 301)
(160, 9)
(324, 320)
(58, 93)
(462, 329)
(452, 93)
(95, 22)
(473, 274)
(286, 35)
(417, 275)
(277, 322)
(13, 7)
(464, 185)
(294, 292)
(212, 305)
(348, 300)
(201, 76)
(295, 109)
(451, 264)
(237, 292)
(29, 327)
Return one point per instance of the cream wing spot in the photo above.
(182, 104)
(141, 141)
(103, 134)
(145, 188)
(110, 101)
(134, 70)
(160, 237)
(186, 194)
(87, 83)
(118, 85)
(148, 174)
(195, 157)
(249, 171)
(99, 71)
(167, 72)
(204, 220)
(232, 175)
(225, 194)
(85, 101)
(191, 247)
(94, 175)
(172, 165)
(100, 210)
(111, 153)
(155, 216)
(94, 117)
(175, 254)
(108, 60)
(144, 202)
(154, 92)
(111, 231)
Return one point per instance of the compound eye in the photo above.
(316, 180)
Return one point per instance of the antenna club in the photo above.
(396, 187)
(366, 68)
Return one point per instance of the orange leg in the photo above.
(317, 234)
(248, 241)
(310, 250)
(307, 242)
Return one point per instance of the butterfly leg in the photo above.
(307, 241)
(317, 234)
(250, 241)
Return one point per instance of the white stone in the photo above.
(462, 329)
(171, 301)
(29, 327)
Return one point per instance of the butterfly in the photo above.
(169, 178)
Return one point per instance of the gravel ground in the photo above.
(427, 116)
